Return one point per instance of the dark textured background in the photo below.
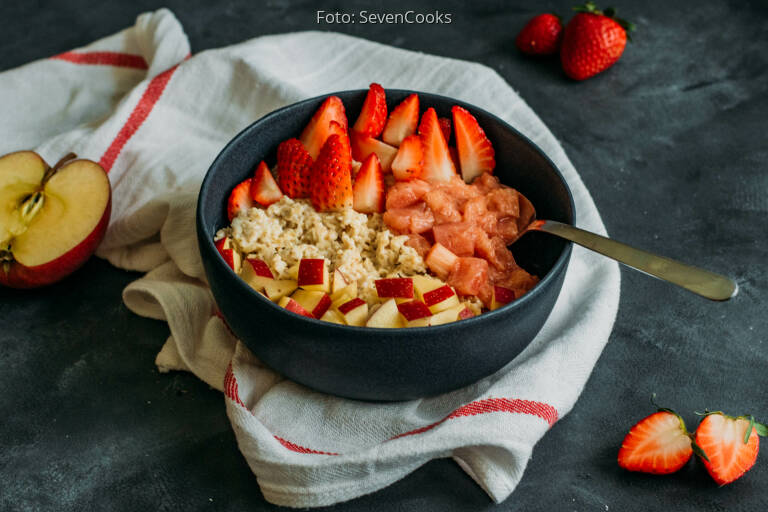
(672, 144)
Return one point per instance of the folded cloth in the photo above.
(155, 119)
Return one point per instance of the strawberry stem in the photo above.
(609, 12)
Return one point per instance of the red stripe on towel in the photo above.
(488, 405)
(138, 116)
(509, 405)
(117, 59)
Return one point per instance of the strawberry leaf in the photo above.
(749, 429)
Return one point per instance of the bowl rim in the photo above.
(551, 275)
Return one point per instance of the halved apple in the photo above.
(51, 219)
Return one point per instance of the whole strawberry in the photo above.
(592, 41)
(541, 36)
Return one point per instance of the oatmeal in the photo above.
(359, 245)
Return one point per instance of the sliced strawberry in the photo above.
(264, 189)
(364, 145)
(316, 132)
(408, 160)
(475, 150)
(454, 156)
(293, 167)
(402, 121)
(730, 444)
(368, 190)
(445, 127)
(374, 112)
(330, 180)
(658, 444)
(437, 165)
(239, 199)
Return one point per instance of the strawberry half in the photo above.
(437, 164)
(657, 444)
(476, 153)
(373, 115)
(368, 190)
(731, 444)
(239, 199)
(330, 180)
(408, 161)
(264, 189)
(402, 121)
(293, 168)
(445, 127)
(316, 132)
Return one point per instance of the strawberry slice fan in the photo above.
(153, 117)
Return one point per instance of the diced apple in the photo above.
(441, 260)
(446, 316)
(339, 281)
(386, 315)
(313, 275)
(291, 305)
(440, 299)
(395, 287)
(355, 311)
(501, 296)
(424, 284)
(293, 271)
(279, 288)
(231, 256)
(349, 291)
(316, 303)
(333, 317)
(256, 273)
(415, 313)
(466, 313)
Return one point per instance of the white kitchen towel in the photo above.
(155, 119)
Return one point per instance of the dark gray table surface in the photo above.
(672, 144)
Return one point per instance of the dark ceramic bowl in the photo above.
(374, 363)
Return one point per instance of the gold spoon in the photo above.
(697, 280)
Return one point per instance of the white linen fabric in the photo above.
(157, 126)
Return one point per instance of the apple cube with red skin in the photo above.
(316, 303)
(291, 305)
(415, 313)
(313, 275)
(501, 296)
(333, 316)
(440, 299)
(354, 311)
(466, 313)
(229, 253)
(276, 289)
(395, 287)
(51, 219)
(256, 273)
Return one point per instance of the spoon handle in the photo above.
(702, 282)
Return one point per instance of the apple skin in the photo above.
(23, 277)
